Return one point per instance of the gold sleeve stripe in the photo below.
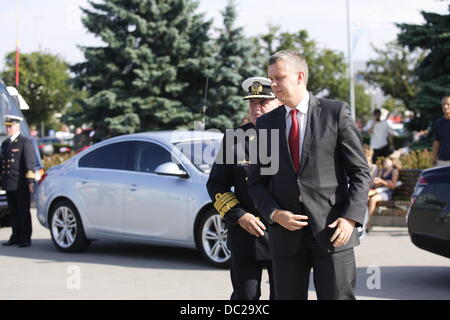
(30, 175)
(224, 202)
(227, 207)
(224, 199)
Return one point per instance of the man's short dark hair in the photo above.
(294, 58)
(377, 111)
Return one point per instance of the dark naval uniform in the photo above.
(18, 161)
(249, 254)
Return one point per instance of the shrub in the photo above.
(417, 159)
(413, 159)
(55, 159)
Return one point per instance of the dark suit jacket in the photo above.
(333, 179)
(221, 179)
(17, 159)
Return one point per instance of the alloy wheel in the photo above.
(64, 227)
(214, 239)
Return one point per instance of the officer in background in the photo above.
(18, 161)
(247, 239)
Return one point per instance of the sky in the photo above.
(54, 25)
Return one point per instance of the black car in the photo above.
(429, 214)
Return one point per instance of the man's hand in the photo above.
(31, 187)
(289, 220)
(344, 229)
(252, 224)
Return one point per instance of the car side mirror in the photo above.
(170, 169)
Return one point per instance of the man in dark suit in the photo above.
(246, 238)
(17, 159)
(317, 197)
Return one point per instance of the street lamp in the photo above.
(350, 64)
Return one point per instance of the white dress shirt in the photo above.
(302, 107)
(15, 136)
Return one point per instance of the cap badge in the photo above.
(256, 87)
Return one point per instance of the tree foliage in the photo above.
(433, 71)
(393, 70)
(44, 84)
(150, 73)
(234, 62)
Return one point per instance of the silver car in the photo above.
(147, 187)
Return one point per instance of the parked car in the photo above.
(428, 217)
(148, 187)
(50, 145)
(11, 102)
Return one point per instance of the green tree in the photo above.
(44, 84)
(393, 70)
(234, 63)
(150, 74)
(433, 71)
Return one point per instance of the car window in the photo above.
(148, 156)
(433, 197)
(112, 156)
(201, 153)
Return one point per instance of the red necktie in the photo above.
(294, 140)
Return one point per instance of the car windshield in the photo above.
(201, 153)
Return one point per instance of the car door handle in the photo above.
(84, 181)
(133, 187)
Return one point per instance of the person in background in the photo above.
(383, 186)
(18, 161)
(33, 132)
(379, 135)
(368, 152)
(79, 140)
(441, 143)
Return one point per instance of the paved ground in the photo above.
(388, 267)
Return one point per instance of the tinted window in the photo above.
(434, 197)
(148, 156)
(113, 156)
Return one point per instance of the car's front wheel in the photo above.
(66, 228)
(212, 239)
